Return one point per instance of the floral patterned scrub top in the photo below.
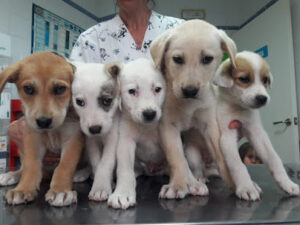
(110, 41)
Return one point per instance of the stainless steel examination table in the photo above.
(220, 207)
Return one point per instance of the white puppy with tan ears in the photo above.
(241, 92)
(96, 98)
(142, 94)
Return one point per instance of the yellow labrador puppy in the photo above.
(189, 56)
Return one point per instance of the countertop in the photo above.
(220, 207)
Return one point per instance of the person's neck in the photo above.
(136, 18)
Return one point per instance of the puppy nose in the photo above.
(190, 91)
(149, 115)
(261, 99)
(95, 129)
(44, 122)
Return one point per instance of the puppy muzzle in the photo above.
(44, 122)
(149, 115)
(190, 92)
(260, 100)
(95, 129)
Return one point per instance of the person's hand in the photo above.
(236, 124)
(15, 133)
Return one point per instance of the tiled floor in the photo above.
(220, 207)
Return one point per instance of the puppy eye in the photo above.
(207, 59)
(178, 59)
(80, 102)
(244, 80)
(132, 91)
(265, 80)
(106, 101)
(29, 90)
(157, 89)
(58, 90)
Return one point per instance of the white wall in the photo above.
(16, 19)
(219, 12)
(295, 11)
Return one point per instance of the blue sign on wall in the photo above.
(263, 51)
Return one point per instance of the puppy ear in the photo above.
(10, 74)
(158, 49)
(271, 80)
(72, 64)
(113, 69)
(228, 46)
(223, 76)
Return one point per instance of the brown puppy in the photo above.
(44, 82)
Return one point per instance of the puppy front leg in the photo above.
(262, 145)
(60, 193)
(124, 195)
(245, 188)
(31, 175)
(101, 188)
(209, 128)
(182, 180)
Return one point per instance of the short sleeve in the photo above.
(85, 49)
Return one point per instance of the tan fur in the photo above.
(243, 69)
(192, 41)
(265, 72)
(43, 72)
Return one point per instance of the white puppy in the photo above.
(142, 94)
(96, 98)
(189, 56)
(241, 92)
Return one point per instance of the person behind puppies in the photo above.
(241, 92)
(248, 154)
(188, 57)
(96, 99)
(125, 37)
(44, 82)
(139, 150)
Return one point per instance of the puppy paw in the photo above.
(99, 194)
(9, 178)
(249, 192)
(81, 175)
(257, 187)
(60, 199)
(16, 197)
(170, 191)
(290, 187)
(120, 200)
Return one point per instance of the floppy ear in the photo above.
(228, 46)
(159, 47)
(271, 79)
(10, 74)
(113, 69)
(223, 76)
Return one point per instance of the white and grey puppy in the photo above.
(241, 92)
(96, 98)
(142, 95)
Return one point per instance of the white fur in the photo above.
(139, 140)
(236, 103)
(89, 80)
